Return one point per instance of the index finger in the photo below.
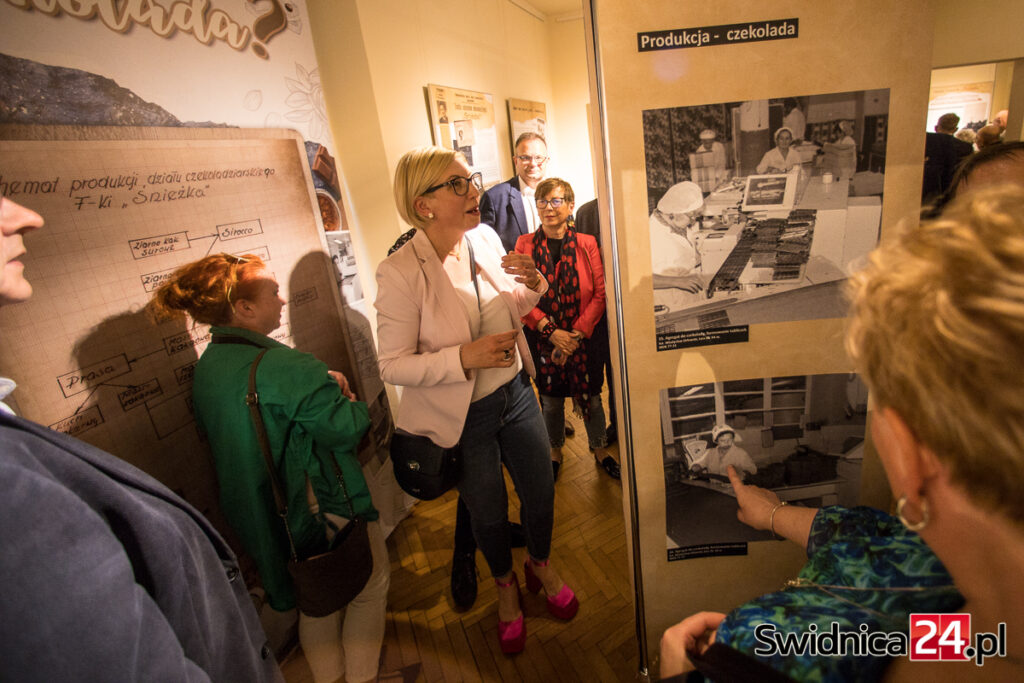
(503, 336)
(735, 479)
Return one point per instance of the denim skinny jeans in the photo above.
(506, 427)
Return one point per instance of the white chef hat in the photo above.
(707, 134)
(723, 429)
(682, 197)
(779, 132)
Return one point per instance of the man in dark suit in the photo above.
(509, 207)
(942, 154)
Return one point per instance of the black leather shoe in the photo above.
(570, 430)
(610, 466)
(464, 580)
(516, 535)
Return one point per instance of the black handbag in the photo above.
(326, 582)
(423, 469)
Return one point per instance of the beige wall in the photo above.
(968, 33)
(377, 56)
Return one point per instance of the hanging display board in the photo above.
(463, 120)
(124, 207)
(525, 116)
(752, 155)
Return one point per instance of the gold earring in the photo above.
(912, 526)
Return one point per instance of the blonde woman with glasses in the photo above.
(448, 307)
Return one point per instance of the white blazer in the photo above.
(422, 322)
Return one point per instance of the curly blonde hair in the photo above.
(208, 288)
(937, 330)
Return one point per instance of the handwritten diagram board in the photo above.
(124, 207)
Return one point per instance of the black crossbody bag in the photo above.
(326, 582)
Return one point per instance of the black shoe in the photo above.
(570, 430)
(610, 466)
(555, 466)
(464, 580)
(611, 434)
(516, 535)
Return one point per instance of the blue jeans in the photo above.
(554, 418)
(505, 427)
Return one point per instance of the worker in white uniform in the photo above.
(675, 261)
(717, 460)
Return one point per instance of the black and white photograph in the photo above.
(339, 244)
(801, 436)
(758, 208)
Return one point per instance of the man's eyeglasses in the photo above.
(459, 185)
(526, 158)
(554, 203)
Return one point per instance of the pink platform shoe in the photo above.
(562, 606)
(512, 634)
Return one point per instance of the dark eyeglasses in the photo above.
(554, 203)
(459, 185)
(527, 158)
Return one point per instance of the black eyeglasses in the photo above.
(459, 185)
(554, 203)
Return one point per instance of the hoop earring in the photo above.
(912, 526)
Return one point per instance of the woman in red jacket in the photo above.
(558, 329)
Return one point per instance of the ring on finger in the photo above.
(508, 354)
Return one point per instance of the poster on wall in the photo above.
(800, 436)
(758, 208)
(124, 208)
(463, 120)
(259, 72)
(525, 116)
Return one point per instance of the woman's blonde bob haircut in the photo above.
(937, 331)
(417, 170)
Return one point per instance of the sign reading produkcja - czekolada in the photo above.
(726, 34)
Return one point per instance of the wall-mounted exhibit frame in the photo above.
(525, 116)
(125, 207)
(463, 120)
(664, 55)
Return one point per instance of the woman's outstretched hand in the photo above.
(491, 351)
(755, 502)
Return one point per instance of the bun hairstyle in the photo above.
(207, 289)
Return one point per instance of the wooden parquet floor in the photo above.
(427, 640)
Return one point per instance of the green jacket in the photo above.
(307, 420)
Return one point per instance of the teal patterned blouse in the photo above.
(868, 553)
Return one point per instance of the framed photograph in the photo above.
(525, 116)
(463, 120)
(756, 209)
(801, 436)
(769, 192)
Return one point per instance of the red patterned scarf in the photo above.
(561, 303)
